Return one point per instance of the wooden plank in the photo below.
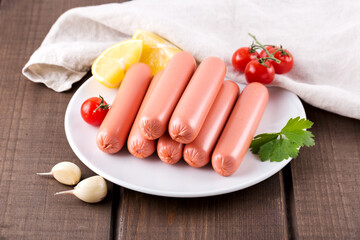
(326, 180)
(257, 212)
(33, 138)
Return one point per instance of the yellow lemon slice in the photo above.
(110, 66)
(157, 51)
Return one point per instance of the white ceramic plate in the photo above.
(151, 175)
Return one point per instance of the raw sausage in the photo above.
(115, 128)
(168, 150)
(190, 113)
(198, 152)
(137, 144)
(240, 129)
(157, 111)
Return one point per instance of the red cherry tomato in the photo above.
(286, 58)
(94, 110)
(242, 57)
(255, 72)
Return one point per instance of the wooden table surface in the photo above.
(315, 197)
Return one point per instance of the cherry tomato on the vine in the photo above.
(242, 57)
(255, 72)
(286, 58)
(94, 110)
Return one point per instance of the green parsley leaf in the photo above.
(297, 123)
(260, 140)
(279, 146)
(300, 137)
(277, 150)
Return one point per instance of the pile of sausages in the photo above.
(184, 112)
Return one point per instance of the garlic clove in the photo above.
(67, 173)
(90, 190)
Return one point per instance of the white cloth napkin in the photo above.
(323, 36)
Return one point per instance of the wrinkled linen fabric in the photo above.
(322, 36)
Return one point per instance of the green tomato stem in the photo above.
(101, 104)
(262, 61)
(252, 48)
(283, 52)
(271, 56)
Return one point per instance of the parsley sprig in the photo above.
(284, 144)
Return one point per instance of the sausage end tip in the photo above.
(222, 165)
(107, 144)
(151, 129)
(180, 132)
(140, 149)
(168, 155)
(195, 157)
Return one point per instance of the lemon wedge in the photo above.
(157, 51)
(110, 66)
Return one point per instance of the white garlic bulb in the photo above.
(90, 190)
(67, 173)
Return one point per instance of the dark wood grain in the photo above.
(33, 137)
(253, 213)
(326, 180)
